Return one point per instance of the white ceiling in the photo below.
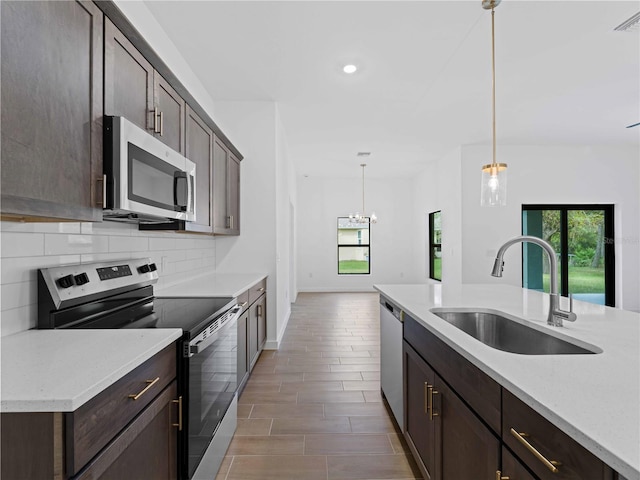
(423, 87)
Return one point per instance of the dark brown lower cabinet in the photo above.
(112, 436)
(146, 448)
(467, 447)
(449, 440)
(420, 429)
(450, 418)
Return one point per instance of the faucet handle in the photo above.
(570, 315)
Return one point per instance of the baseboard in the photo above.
(337, 290)
(273, 345)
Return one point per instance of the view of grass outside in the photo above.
(581, 268)
(437, 267)
(353, 266)
(582, 280)
(435, 245)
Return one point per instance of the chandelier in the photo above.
(363, 217)
(494, 175)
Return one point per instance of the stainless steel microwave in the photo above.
(145, 181)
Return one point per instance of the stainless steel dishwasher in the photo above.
(391, 357)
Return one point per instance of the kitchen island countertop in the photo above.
(593, 398)
(60, 370)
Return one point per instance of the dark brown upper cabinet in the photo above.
(134, 90)
(200, 151)
(226, 190)
(51, 110)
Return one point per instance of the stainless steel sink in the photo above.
(509, 334)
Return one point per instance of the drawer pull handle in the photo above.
(179, 402)
(261, 289)
(550, 464)
(500, 477)
(244, 304)
(150, 383)
(431, 392)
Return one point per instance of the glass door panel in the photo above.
(586, 255)
(545, 224)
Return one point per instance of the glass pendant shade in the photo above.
(494, 185)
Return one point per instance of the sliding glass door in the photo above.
(582, 236)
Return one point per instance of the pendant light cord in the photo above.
(363, 165)
(493, 76)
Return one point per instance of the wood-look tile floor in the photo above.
(313, 409)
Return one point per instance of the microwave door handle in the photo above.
(191, 198)
(179, 193)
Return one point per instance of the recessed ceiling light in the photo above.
(349, 68)
(363, 154)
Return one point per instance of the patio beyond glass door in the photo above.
(582, 236)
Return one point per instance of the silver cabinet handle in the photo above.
(161, 124)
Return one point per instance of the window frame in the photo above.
(433, 246)
(609, 245)
(354, 245)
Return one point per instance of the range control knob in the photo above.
(143, 269)
(66, 282)
(81, 279)
(152, 267)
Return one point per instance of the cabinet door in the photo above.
(420, 427)
(170, 114)
(468, 448)
(220, 165)
(128, 80)
(146, 448)
(513, 469)
(243, 370)
(262, 321)
(233, 201)
(253, 335)
(226, 190)
(51, 109)
(199, 138)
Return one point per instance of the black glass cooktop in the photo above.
(192, 315)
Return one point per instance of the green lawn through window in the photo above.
(353, 266)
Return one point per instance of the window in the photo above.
(582, 236)
(435, 247)
(354, 251)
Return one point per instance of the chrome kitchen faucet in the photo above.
(556, 314)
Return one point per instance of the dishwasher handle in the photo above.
(395, 311)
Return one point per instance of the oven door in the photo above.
(145, 176)
(212, 384)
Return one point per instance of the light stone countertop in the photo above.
(60, 370)
(595, 399)
(212, 285)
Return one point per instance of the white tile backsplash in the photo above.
(71, 244)
(25, 247)
(22, 244)
(128, 244)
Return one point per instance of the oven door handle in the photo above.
(198, 347)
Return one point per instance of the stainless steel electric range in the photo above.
(119, 294)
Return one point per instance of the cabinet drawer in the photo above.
(243, 300)
(92, 426)
(257, 290)
(575, 462)
(480, 391)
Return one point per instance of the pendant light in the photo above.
(363, 217)
(494, 175)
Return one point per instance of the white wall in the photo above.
(438, 187)
(266, 193)
(29, 246)
(321, 200)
